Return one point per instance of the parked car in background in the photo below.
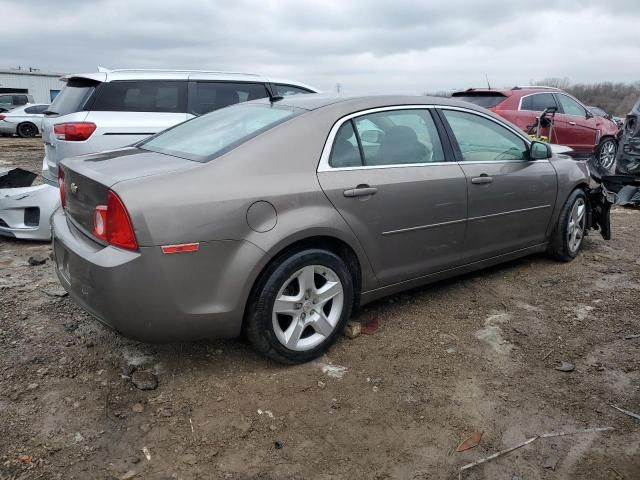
(9, 101)
(628, 161)
(602, 113)
(25, 121)
(111, 109)
(574, 125)
(277, 218)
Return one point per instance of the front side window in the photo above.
(141, 96)
(483, 140)
(211, 96)
(209, 136)
(284, 90)
(538, 102)
(571, 107)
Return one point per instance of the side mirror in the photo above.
(371, 136)
(540, 151)
(588, 115)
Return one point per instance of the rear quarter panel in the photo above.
(572, 174)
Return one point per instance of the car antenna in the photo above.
(488, 84)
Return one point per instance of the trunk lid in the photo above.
(88, 178)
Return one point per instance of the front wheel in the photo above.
(300, 306)
(606, 153)
(569, 232)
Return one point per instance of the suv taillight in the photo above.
(2, 117)
(61, 186)
(111, 223)
(74, 131)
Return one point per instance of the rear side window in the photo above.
(209, 96)
(482, 99)
(209, 136)
(284, 90)
(36, 109)
(20, 100)
(73, 96)
(537, 102)
(483, 140)
(142, 96)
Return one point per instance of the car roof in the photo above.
(156, 74)
(315, 101)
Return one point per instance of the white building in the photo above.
(44, 86)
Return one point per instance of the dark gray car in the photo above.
(279, 218)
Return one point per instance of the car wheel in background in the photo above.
(569, 232)
(299, 306)
(27, 130)
(606, 154)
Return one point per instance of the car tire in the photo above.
(606, 154)
(303, 324)
(568, 236)
(27, 130)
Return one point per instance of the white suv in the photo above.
(112, 109)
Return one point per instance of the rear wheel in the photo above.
(27, 130)
(606, 153)
(569, 232)
(300, 306)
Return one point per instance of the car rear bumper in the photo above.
(153, 297)
(7, 128)
(25, 211)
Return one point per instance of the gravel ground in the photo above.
(476, 353)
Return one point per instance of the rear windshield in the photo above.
(142, 96)
(209, 136)
(73, 96)
(486, 100)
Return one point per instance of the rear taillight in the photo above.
(2, 117)
(111, 223)
(74, 131)
(61, 187)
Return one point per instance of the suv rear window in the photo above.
(209, 136)
(141, 96)
(73, 96)
(482, 99)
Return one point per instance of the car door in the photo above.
(511, 198)
(388, 175)
(574, 126)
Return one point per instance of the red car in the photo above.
(574, 125)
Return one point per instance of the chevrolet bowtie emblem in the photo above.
(73, 187)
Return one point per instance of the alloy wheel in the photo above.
(575, 228)
(308, 307)
(607, 154)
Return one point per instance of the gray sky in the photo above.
(408, 46)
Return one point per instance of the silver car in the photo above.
(279, 218)
(25, 121)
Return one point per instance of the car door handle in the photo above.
(572, 123)
(360, 191)
(482, 180)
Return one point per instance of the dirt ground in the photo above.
(477, 353)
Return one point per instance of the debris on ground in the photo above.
(56, 292)
(352, 329)
(16, 177)
(147, 453)
(566, 367)
(631, 337)
(144, 380)
(278, 445)
(370, 327)
(36, 260)
(551, 461)
(527, 442)
(471, 441)
(626, 412)
(333, 371)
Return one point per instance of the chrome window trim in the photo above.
(532, 94)
(323, 165)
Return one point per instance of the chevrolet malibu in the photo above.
(278, 218)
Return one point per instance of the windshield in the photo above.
(209, 136)
(486, 100)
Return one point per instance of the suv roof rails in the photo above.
(520, 87)
(165, 70)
